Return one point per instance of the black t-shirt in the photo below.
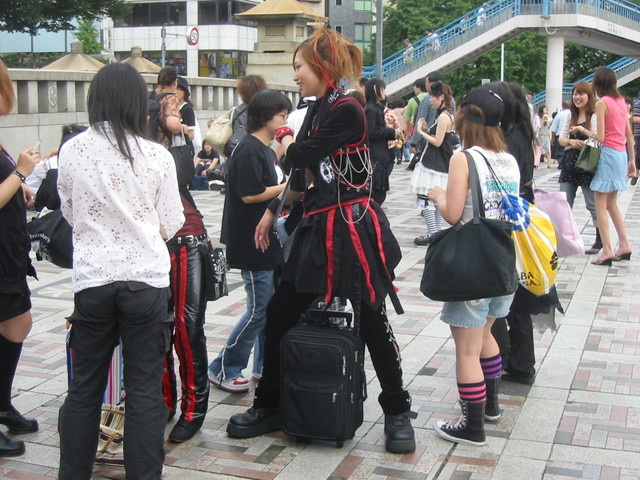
(15, 264)
(203, 155)
(251, 169)
(188, 116)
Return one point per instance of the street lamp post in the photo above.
(379, 15)
(163, 48)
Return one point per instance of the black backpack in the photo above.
(153, 111)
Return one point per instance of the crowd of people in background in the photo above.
(329, 165)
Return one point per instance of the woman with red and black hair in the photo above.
(343, 246)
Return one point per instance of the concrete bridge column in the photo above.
(555, 69)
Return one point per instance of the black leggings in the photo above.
(283, 313)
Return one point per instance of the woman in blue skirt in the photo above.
(615, 135)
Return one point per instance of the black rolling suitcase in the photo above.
(323, 382)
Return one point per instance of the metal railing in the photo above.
(484, 18)
(622, 67)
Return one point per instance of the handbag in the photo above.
(183, 156)
(109, 461)
(536, 245)
(471, 261)
(564, 223)
(220, 131)
(589, 156)
(216, 269)
(52, 238)
(534, 239)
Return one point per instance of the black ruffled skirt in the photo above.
(346, 251)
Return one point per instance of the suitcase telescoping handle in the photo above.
(320, 314)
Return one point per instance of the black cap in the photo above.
(184, 84)
(486, 100)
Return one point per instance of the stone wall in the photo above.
(46, 100)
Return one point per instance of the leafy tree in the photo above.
(580, 61)
(53, 15)
(521, 54)
(88, 34)
(410, 19)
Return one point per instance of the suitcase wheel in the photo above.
(339, 444)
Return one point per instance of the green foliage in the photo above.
(369, 55)
(30, 15)
(580, 61)
(631, 89)
(35, 60)
(28, 60)
(410, 19)
(525, 64)
(89, 35)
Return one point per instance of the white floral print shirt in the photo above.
(116, 209)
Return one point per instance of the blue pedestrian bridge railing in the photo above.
(621, 66)
(482, 19)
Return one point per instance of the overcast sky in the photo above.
(43, 42)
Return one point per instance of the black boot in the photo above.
(468, 428)
(597, 244)
(399, 432)
(17, 423)
(183, 430)
(253, 422)
(10, 447)
(195, 398)
(492, 409)
(9, 416)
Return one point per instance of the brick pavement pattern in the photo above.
(581, 418)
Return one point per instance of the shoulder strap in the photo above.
(283, 198)
(415, 115)
(160, 96)
(476, 191)
(234, 115)
(364, 117)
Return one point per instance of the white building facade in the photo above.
(202, 37)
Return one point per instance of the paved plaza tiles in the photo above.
(581, 418)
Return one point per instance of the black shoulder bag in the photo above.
(471, 261)
(183, 156)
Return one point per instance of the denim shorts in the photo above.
(474, 313)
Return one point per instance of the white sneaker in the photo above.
(232, 385)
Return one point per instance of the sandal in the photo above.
(601, 261)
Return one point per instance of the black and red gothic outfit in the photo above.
(187, 250)
(343, 247)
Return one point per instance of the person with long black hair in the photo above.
(433, 168)
(343, 247)
(121, 215)
(517, 343)
(379, 134)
